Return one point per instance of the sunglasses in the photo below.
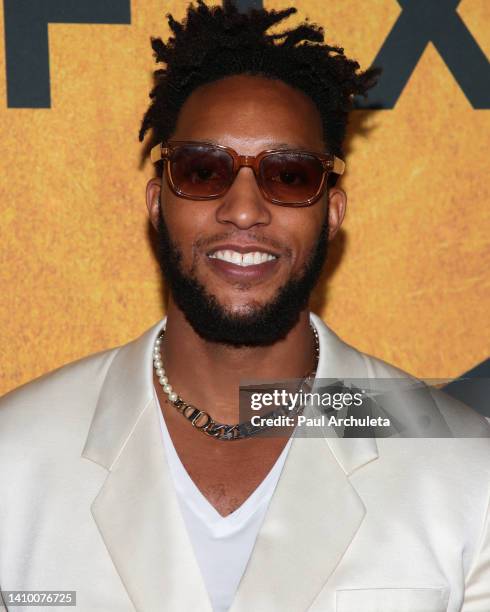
(205, 171)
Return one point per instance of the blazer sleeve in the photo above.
(477, 584)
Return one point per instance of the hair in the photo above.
(215, 42)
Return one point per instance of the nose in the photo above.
(243, 205)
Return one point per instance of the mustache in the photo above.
(204, 243)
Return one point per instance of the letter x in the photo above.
(26, 41)
(422, 21)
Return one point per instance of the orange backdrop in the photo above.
(77, 271)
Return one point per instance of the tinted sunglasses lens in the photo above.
(200, 171)
(291, 178)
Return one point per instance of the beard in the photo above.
(260, 325)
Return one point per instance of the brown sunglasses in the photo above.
(205, 171)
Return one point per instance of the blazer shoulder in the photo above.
(74, 386)
(462, 420)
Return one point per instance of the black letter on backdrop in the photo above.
(26, 41)
(246, 5)
(422, 21)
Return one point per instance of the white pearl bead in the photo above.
(167, 388)
(172, 396)
(163, 380)
(160, 372)
(158, 341)
(158, 363)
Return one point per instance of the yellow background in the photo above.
(77, 271)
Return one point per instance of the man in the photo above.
(127, 476)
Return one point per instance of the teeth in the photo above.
(245, 259)
(248, 259)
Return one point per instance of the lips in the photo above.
(244, 263)
(243, 248)
(250, 258)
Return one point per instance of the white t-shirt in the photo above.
(222, 544)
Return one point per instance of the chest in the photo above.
(225, 482)
(225, 472)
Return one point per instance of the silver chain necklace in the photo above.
(203, 421)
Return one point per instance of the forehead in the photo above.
(250, 113)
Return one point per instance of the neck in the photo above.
(208, 374)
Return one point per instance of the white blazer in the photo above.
(355, 525)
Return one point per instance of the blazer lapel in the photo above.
(315, 512)
(136, 510)
(313, 517)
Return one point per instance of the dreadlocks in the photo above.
(215, 42)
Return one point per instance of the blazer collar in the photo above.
(126, 392)
(313, 516)
(338, 360)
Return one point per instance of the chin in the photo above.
(242, 310)
(243, 300)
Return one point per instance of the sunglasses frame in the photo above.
(330, 164)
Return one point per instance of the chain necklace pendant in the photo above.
(202, 420)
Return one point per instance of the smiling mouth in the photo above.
(252, 258)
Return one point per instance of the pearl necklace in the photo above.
(202, 420)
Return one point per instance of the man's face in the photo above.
(255, 304)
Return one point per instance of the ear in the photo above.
(153, 190)
(337, 202)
